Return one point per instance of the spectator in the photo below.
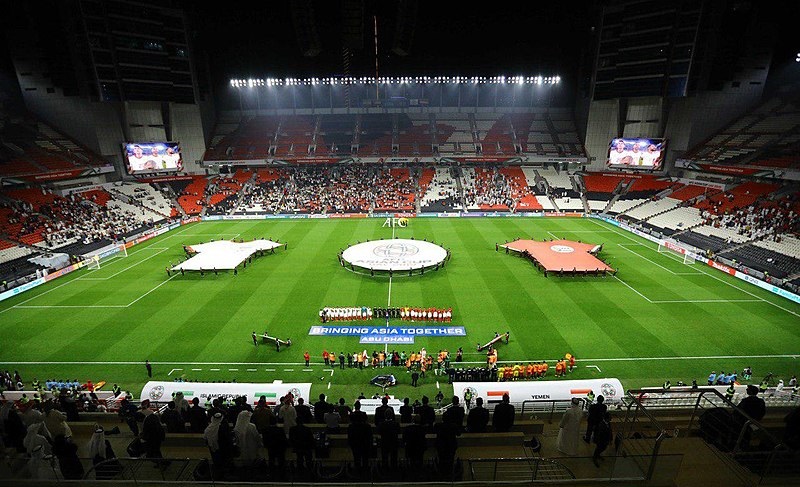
(406, 412)
(288, 414)
(478, 418)
(172, 419)
(304, 412)
(454, 414)
(332, 421)
(446, 443)
(320, 408)
(569, 429)
(56, 424)
(358, 416)
(595, 415)
(219, 438)
(426, 412)
(302, 440)
(602, 437)
(380, 411)
(263, 417)
(414, 441)
(389, 430)
(503, 417)
(152, 432)
(359, 438)
(344, 411)
(101, 452)
(67, 453)
(248, 439)
(198, 420)
(275, 440)
(34, 438)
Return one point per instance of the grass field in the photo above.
(657, 319)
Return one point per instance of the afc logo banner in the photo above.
(395, 222)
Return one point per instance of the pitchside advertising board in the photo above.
(636, 153)
(492, 392)
(163, 391)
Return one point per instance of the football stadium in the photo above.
(357, 248)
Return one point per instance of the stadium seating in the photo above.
(652, 208)
(681, 218)
(763, 259)
(192, 198)
(742, 195)
(442, 193)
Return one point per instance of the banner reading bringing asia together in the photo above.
(387, 334)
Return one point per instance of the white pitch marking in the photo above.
(195, 370)
(659, 265)
(308, 370)
(31, 306)
(328, 370)
(709, 275)
(269, 370)
(233, 370)
(123, 270)
(437, 382)
(150, 291)
(329, 385)
(594, 366)
(632, 289)
(251, 370)
(709, 301)
(288, 370)
(173, 370)
(554, 235)
(214, 370)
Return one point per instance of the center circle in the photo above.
(394, 255)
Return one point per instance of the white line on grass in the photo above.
(195, 370)
(173, 370)
(123, 270)
(618, 359)
(632, 288)
(593, 366)
(150, 291)
(328, 370)
(31, 306)
(659, 265)
(554, 235)
(709, 275)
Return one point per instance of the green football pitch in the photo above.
(657, 319)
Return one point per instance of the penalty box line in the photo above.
(583, 360)
(624, 246)
(758, 298)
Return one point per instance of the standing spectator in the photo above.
(100, 451)
(426, 412)
(304, 412)
(332, 419)
(67, 453)
(389, 430)
(478, 417)
(446, 444)
(414, 441)
(344, 411)
(359, 438)
(602, 437)
(263, 417)
(152, 432)
(406, 412)
(130, 414)
(181, 405)
(320, 408)
(380, 411)
(248, 439)
(198, 420)
(358, 415)
(569, 428)
(594, 417)
(288, 414)
(275, 440)
(34, 438)
(302, 440)
(503, 417)
(219, 438)
(56, 424)
(172, 419)
(454, 414)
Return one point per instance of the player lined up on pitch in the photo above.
(405, 313)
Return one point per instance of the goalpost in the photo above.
(679, 254)
(94, 262)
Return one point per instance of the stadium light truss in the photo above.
(391, 80)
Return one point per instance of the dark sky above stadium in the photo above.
(259, 38)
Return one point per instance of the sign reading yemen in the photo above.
(549, 390)
(362, 331)
(163, 391)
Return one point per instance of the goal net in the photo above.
(676, 253)
(97, 260)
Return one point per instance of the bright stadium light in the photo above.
(387, 80)
(797, 58)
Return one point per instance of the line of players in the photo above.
(535, 370)
(405, 313)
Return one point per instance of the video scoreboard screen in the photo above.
(150, 157)
(636, 153)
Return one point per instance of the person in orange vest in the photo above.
(531, 371)
(325, 357)
(558, 368)
(571, 362)
(545, 366)
(306, 357)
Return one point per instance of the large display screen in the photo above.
(636, 153)
(147, 157)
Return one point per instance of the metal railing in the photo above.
(745, 443)
(549, 407)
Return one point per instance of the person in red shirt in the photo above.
(325, 357)
(571, 362)
(306, 357)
